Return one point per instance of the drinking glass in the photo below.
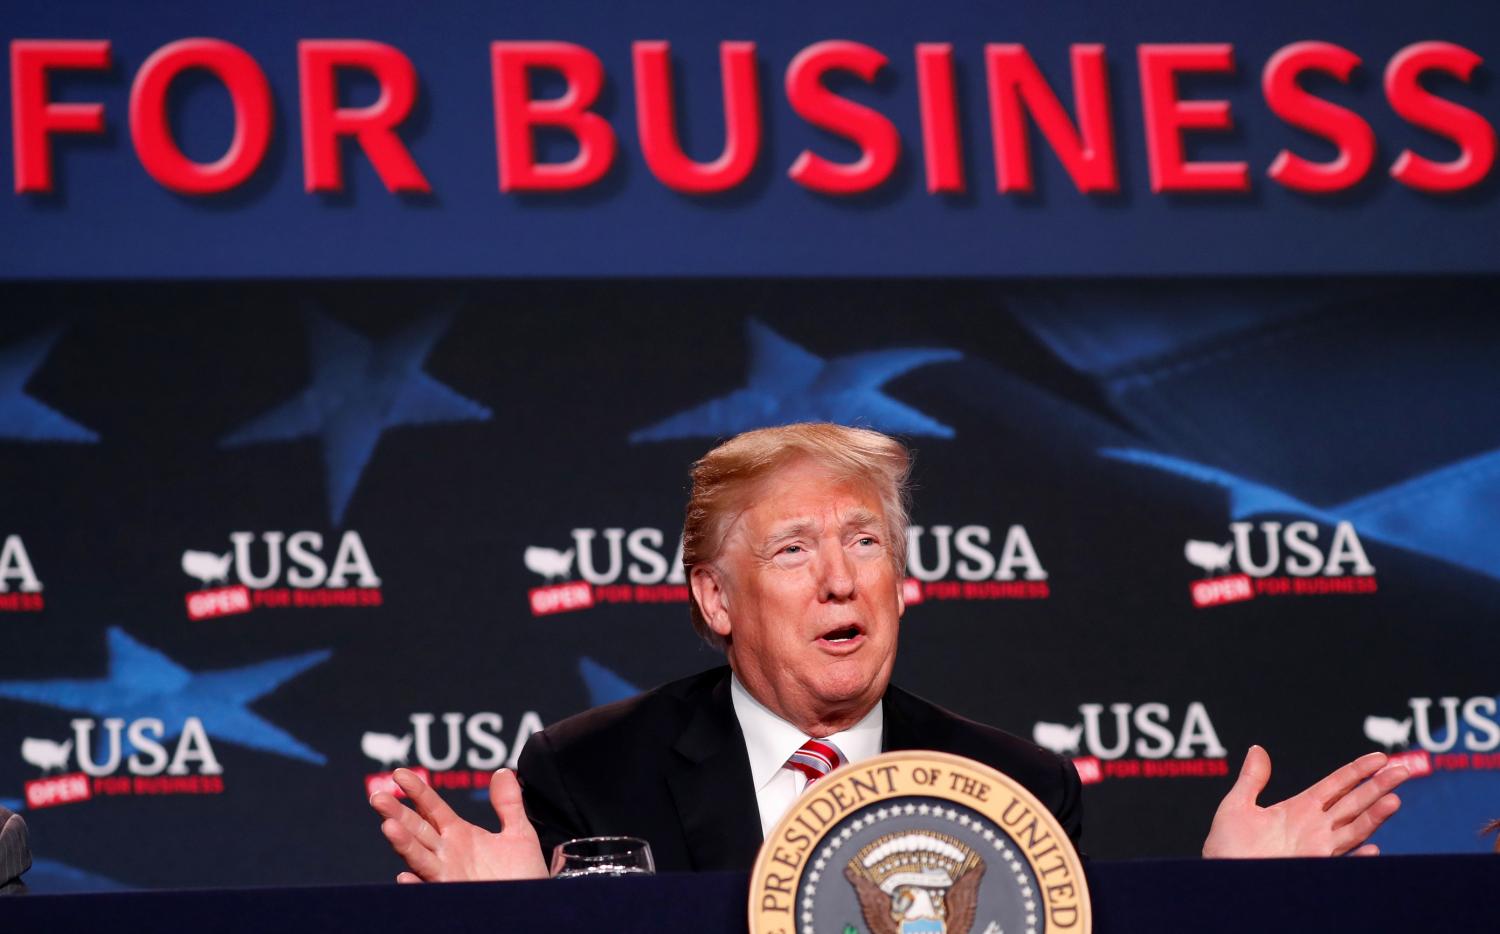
(602, 856)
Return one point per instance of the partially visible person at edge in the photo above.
(795, 549)
(15, 853)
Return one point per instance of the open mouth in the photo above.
(842, 635)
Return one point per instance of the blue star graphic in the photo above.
(23, 418)
(788, 384)
(604, 686)
(56, 878)
(1449, 513)
(143, 682)
(360, 387)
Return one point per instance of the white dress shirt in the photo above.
(770, 741)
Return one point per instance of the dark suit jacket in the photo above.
(15, 855)
(670, 766)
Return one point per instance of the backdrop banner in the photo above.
(781, 138)
(354, 361)
(263, 541)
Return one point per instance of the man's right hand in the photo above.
(440, 846)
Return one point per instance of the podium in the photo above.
(1403, 893)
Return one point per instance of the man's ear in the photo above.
(708, 590)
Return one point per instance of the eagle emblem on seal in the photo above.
(916, 882)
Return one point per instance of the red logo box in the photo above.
(221, 601)
(63, 789)
(1219, 590)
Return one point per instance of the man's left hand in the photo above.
(1333, 817)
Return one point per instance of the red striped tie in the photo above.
(817, 758)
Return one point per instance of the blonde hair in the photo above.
(725, 478)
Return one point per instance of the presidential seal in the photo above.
(918, 843)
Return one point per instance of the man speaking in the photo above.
(795, 550)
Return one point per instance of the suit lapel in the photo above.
(711, 787)
(710, 781)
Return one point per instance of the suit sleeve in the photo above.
(1070, 805)
(15, 854)
(548, 805)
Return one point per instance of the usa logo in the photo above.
(970, 562)
(20, 588)
(1275, 560)
(1137, 741)
(616, 565)
(275, 570)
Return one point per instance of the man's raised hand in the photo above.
(440, 846)
(1333, 817)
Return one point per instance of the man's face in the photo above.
(806, 592)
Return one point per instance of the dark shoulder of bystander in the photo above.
(15, 853)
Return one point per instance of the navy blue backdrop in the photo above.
(299, 487)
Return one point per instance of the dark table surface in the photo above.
(1410, 894)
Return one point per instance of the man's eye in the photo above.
(792, 550)
(868, 540)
